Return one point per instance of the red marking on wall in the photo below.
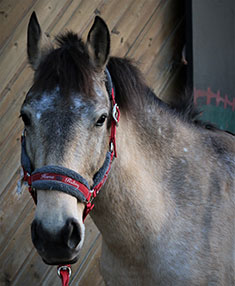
(209, 95)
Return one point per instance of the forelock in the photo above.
(68, 67)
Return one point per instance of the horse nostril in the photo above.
(72, 233)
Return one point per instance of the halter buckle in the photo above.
(111, 147)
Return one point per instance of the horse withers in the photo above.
(166, 211)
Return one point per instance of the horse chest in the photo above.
(125, 270)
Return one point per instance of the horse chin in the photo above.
(65, 262)
(60, 257)
(60, 260)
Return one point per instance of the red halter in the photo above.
(65, 180)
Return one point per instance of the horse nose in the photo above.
(69, 236)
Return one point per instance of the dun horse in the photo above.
(166, 211)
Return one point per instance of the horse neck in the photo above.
(132, 195)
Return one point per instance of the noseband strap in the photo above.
(68, 181)
(61, 179)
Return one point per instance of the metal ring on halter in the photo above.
(64, 267)
(115, 113)
(111, 147)
(23, 133)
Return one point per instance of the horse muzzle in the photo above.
(58, 247)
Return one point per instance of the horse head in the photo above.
(67, 115)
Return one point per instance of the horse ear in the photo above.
(33, 41)
(98, 43)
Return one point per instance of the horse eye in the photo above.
(25, 119)
(101, 120)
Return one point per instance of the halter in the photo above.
(68, 181)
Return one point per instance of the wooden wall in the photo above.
(150, 31)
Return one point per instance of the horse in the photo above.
(166, 210)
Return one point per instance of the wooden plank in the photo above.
(10, 108)
(148, 32)
(89, 273)
(166, 62)
(11, 14)
(119, 34)
(14, 54)
(124, 38)
(83, 16)
(11, 159)
(112, 11)
(12, 258)
(14, 96)
(62, 23)
(35, 268)
(154, 40)
(14, 208)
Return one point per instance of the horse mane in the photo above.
(129, 84)
(133, 94)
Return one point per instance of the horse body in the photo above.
(166, 212)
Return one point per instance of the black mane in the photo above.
(128, 81)
(133, 93)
